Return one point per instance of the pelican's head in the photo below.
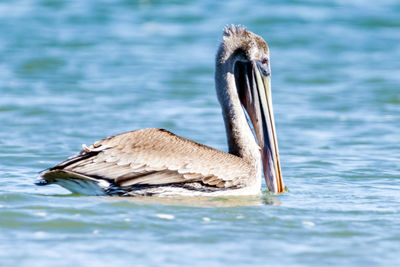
(249, 63)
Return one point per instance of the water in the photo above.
(72, 72)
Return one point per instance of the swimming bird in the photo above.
(157, 162)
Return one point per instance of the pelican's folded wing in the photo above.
(156, 157)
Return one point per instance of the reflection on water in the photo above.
(201, 201)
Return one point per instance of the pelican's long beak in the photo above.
(253, 80)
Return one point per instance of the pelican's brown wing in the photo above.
(155, 157)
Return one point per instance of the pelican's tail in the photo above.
(74, 182)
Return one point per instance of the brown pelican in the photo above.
(158, 162)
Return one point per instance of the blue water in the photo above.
(72, 72)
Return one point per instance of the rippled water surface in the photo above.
(72, 72)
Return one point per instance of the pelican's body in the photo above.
(157, 162)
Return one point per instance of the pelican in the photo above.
(156, 162)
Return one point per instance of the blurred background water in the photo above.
(73, 72)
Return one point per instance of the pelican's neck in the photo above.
(241, 140)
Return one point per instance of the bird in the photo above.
(156, 162)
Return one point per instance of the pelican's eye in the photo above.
(263, 66)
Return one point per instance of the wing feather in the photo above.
(156, 156)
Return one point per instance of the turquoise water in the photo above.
(72, 72)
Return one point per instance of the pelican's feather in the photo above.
(157, 157)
